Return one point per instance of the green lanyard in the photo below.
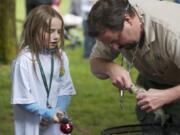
(44, 77)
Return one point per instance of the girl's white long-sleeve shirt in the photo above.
(28, 87)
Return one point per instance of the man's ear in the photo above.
(127, 19)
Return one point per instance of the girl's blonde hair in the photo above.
(36, 25)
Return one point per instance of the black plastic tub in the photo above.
(133, 130)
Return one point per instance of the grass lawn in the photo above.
(96, 105)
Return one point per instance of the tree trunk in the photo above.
(8, 43)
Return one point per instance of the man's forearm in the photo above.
(173, 94)
(100, 67)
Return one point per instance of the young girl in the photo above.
(42, 85)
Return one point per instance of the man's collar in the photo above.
(149, 32)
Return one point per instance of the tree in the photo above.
(7, 31)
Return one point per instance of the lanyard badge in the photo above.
(44, 77)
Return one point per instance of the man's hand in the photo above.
(152, 99)
(120, 77)
(104, 69)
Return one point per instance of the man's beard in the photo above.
(129, 46)
(134, 44)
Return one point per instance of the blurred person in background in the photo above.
(89, 41)
(82, 8)
(177, 1)
(75, 7)
(30, 4)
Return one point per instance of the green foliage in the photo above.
(96, 105)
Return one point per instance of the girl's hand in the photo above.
(58, 116)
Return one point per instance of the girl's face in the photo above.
(54, 34)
